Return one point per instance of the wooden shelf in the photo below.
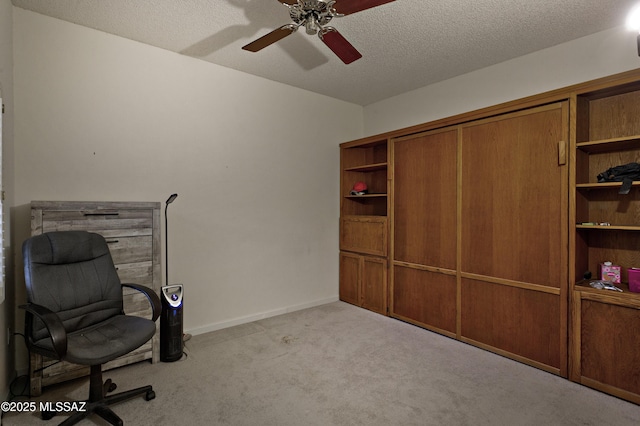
(610, 227)
(609, 145)
(625, 295)
(604, 185)
(367, 168)
(354, 197)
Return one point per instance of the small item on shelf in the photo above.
(610, 272)
(604, 285)
(359, 188)
(620, 173)
(626, 173)
(634, 280)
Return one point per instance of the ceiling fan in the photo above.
(314, 15)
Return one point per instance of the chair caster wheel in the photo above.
(150, 395)
(47, 415)
(109, 386)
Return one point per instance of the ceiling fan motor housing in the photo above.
(313, 14)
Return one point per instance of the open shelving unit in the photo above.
(607, 135)
(364, 224)
(607, 228)
(366, 162)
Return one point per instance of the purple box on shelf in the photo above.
(634, 280)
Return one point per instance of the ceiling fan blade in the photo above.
(267, 40)
(340, 46)
(347, 7)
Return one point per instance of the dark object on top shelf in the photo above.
(626, 174)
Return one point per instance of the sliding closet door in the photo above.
(514, 238)
(424, 289)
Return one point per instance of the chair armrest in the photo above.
(54, 326)
(151, 295)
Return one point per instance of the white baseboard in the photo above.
(259, 316)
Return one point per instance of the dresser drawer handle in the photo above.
(101, 213)
(113, 241)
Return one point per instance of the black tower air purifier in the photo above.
(171, 339)
(171, 323)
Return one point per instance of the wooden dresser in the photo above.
(132, 230)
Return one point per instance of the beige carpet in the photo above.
(340, 365)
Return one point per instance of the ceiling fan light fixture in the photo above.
(312, 26)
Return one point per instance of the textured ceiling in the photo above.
(405, 44)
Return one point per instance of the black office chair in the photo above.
(75, 312)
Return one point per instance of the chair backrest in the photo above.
(72, 274)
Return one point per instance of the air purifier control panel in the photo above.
(173, 295)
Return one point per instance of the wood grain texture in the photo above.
(425, 298)
(614, 116)
(364, 234)
(349, 285)
(610, 340)
(363, 281)
(514, 197)
(425, 197)
(518, 321)
(374, 284)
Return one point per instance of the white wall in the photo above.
(254, 230)
(598, 55)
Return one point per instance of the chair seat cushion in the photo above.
(106, 340)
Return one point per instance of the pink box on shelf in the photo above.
(634, 280)
(610, 272)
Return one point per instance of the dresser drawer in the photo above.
(138, 273)
(126, 249)
(104, 221)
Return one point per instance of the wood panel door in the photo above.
(363, 281)
(514, 234)
(424, 229)
(374, 284)
(608, 343)
(349, 288)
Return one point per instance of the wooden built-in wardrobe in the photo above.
(474, 227)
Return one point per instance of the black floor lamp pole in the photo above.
(166, 237)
